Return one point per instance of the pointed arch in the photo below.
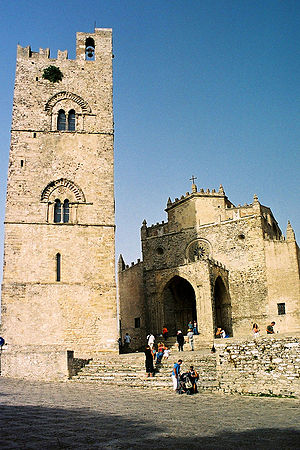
(78, 193)
(67, 95)
(222, 307)
(179, 304)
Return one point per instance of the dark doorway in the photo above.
(222, 307)
(179, 305)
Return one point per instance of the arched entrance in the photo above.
(222, 307)
(179, 303)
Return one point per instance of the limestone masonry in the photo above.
(219, 264)
(213, 262)
(59, 286)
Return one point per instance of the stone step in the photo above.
(129, 370)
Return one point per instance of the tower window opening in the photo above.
(34, 135)
(281, 308)
(66, 211)
(61, 120)
(90, 49)
(57, 211)
(71, 120)
(58, 266)
(22, 162)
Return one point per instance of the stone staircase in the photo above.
(129, 370)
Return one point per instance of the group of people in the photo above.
(185, 382)
(191, 331)
(220, 333)
(155, 354)
(256, 330)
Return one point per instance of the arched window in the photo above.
(61, 120)
(57, 211)
(66, 211)
(71, 120)
(58, 266)
(90, 49)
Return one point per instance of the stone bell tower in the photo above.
(58, 287)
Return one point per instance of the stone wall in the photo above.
(76, 310)
(266, 366)
(132, 306)
(43, 362)
(282, 269)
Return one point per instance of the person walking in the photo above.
(176, 374)
(127, 340)
(180, 340)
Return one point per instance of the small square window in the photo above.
(137, 322)
(281, 308)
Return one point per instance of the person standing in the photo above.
(195, 328)
(151, 340)
(255, 330)
(176, 374)
(194, 377)
(190, 336)
(270, 328)
(149, 361)
(180, 340)
(165, 332)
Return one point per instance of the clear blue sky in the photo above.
(203, 87)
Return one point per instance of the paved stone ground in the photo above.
(39, 415)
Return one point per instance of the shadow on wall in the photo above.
(53, 428)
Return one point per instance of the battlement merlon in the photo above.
(101, 38)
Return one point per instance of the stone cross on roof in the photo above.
(193, 179)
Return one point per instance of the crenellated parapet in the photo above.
(157, 229)
(220, 193)
(43, 53)
(123, 266)
(89, 47)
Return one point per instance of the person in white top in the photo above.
(151, 340)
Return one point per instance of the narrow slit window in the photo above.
(71, 120)
(58, 266)
(66, 211)
(137, 322)
(57, 211)
(61, 120)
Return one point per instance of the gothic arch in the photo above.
(179, 304)
(67, 95)
(222, 315)
(79, 195)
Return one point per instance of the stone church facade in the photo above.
(59, 289)
(222, 265)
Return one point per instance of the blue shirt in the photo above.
(176, 369)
